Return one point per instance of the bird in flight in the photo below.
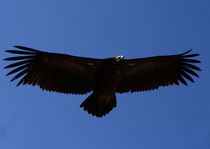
(103, 77)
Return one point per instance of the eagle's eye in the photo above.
(118, 58)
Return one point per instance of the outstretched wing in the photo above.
(54, 72)
(150, 73)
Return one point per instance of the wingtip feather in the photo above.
(186, 52)
(26, 48)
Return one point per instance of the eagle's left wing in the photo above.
(149, 73)
(53, 71)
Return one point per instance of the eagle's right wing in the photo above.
(54, 72)
(150, 73)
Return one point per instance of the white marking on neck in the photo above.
(118, 58)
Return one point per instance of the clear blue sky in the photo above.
(176, 117)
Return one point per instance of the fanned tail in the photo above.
(99, 105)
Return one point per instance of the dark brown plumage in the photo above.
(104, 77)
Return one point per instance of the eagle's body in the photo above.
(104, 90)
(109, 76)
(104, 77)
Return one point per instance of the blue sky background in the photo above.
(176, 117)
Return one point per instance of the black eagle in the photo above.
(104, 77)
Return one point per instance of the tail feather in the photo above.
(99, 105)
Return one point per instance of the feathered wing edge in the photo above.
(24, 62)
(188, 68)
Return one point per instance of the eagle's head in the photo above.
(119, 58)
